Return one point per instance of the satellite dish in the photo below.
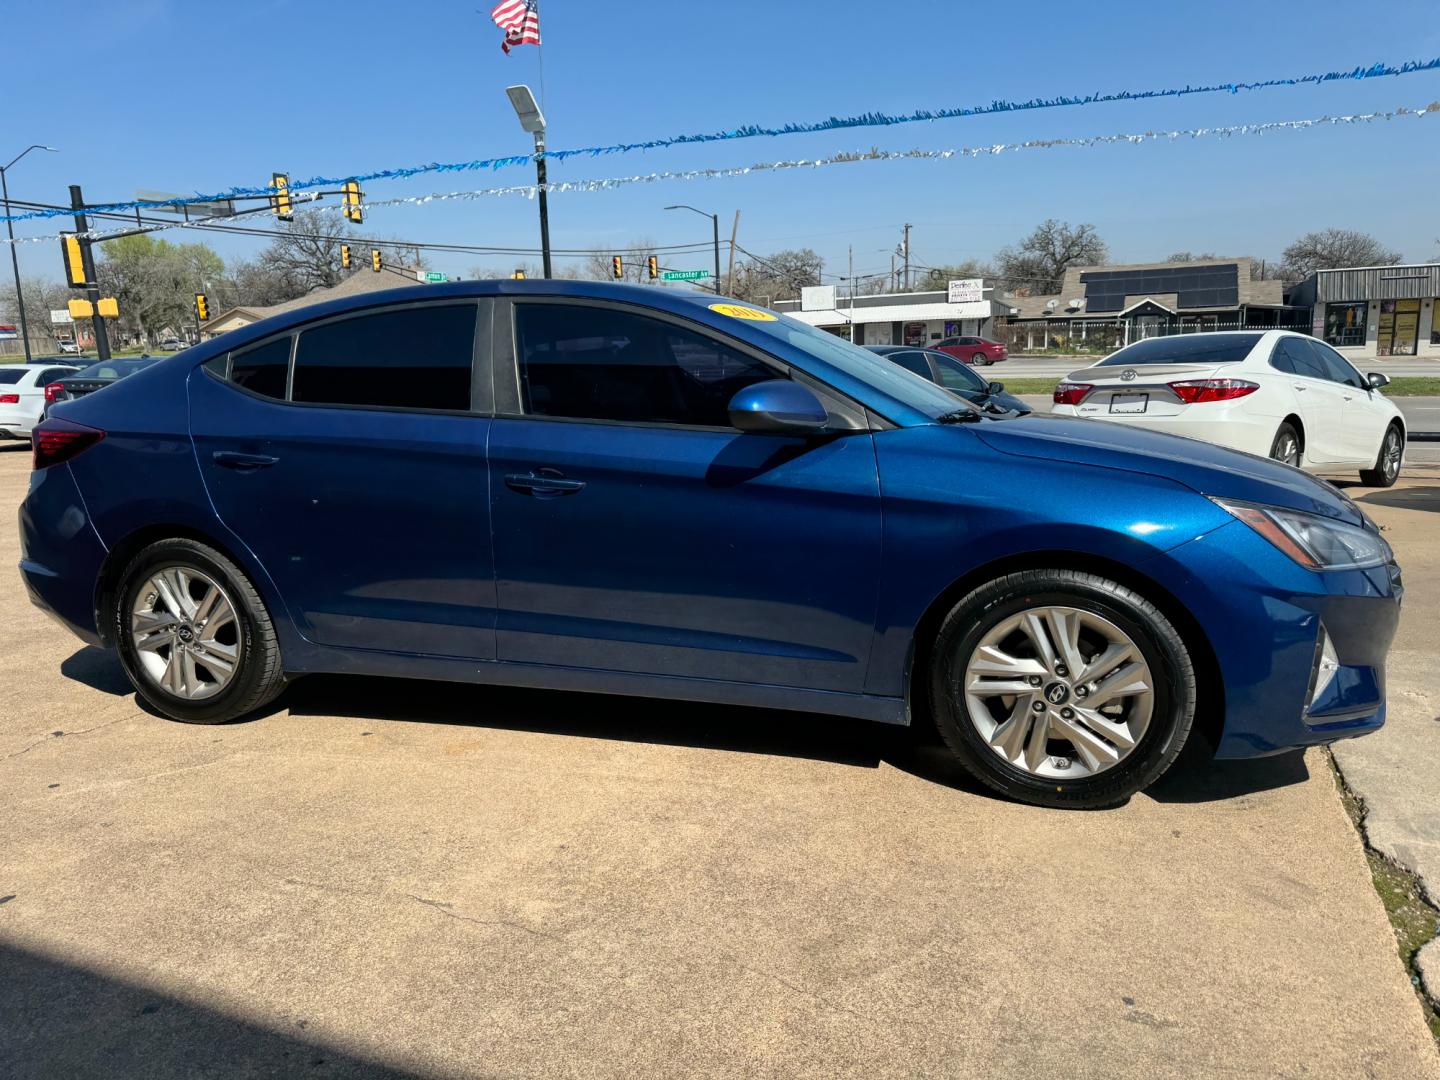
(1079, 302)
(1051, 305)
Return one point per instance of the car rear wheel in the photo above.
(195, 638)
(980, 359)
(1387, 463)
(1062, 688)
(1286, 446)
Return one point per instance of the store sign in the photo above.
(817, 298)
(60, 317)
(8, 333)
(967, 290)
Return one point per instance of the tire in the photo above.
(980, 360)
(1287, 446)
(205, 694)
(1387, 462)
(1156, 726)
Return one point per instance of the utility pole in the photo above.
(907, 258)
(734, 235)
(92, 286)
(892, 271)
(852, 294)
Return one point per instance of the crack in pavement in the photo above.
(59, 734)
(444, 909)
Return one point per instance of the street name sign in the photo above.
(430, 277)
(685, 275)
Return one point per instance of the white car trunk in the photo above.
(1146, 393)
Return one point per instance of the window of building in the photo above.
(1399, 328)
(263, 369)
(597, 363)
(408, 358)
(1345, 323)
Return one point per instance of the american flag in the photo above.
(520, 19)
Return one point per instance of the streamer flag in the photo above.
(751, 131)
(849, 157)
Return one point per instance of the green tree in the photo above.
(155, 281)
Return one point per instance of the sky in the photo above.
(157, 94)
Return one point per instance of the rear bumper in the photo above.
(60, 552)
(16, 424)
(1264, 620)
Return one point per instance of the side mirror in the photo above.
(997, 388)
(777, 406)
(1377, 380)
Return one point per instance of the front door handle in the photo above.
(234, 459)
(1302, 389)
(543, 483)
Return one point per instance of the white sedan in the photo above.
(1274, 393)
(22, 395)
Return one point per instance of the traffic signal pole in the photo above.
(92, 286)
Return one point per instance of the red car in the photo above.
(973, 350)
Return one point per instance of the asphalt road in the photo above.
(401, 879)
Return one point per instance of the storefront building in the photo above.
(919, 318)
(1378, 311)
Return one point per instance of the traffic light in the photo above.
(107, 307)
(280, 201)
(617, 268)
(375, 262)
(80, 309)
(344, 256)
(352, 196)
(519, 275)
(202, 307)
(654, 267)
(74, 261)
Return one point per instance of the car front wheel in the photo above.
(1062, 688)
(1387, 462)
(194, 635)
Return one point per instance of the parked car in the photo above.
(76, 384)
(973, 350)
(1274, 393)
(627, 490)
(69, 347)
(22, 395)
(953, 375)
(171, 345)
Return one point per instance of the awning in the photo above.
(841, 316)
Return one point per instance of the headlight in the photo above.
(1316, 543)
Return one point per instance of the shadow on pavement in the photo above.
(1415, 498)
(1195, 777)
(62, 1020)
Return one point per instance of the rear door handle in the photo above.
(234, 459)
(543, 483)
(1302, 389)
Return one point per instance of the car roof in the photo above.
(43, 362)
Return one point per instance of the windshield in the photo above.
(115, 369)
(1207, 349)
(905, 387)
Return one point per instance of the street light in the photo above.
(533, 121)
(10, 231)
(714, 221)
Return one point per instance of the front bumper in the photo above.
(60, 552)
(1264, 616)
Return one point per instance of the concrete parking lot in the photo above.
(402, 879)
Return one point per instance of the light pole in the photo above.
(715, 222)
(10, 231)
(533, 121)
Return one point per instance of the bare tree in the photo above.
(307, 253)
(1331, 249)
(599, 266)
(1038, 262)
(42, 296)
(780, 276)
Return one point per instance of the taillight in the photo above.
(9, 399)
(53, 392)
(57, 440)
(1071, 393)
(1198, 391)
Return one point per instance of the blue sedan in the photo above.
(643, 491)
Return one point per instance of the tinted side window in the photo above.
(45, 378)
(414, 358)
(1302, 360)
(1281, 360)
(912, 361)
(1336, 369)
(262, 369)
(948, 342)
(598, 363)
(957, 376)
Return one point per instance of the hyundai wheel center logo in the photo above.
(1057, 693)
(1128, 375)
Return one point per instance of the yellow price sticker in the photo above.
(739, 311)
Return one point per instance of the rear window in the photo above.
(11, 376)
(1185, 349)
(116, 369)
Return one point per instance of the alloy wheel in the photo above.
(1059, 692)
(185, 632)
(1288, 450)
(1390, 457)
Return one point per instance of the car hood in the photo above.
(1200, 466)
